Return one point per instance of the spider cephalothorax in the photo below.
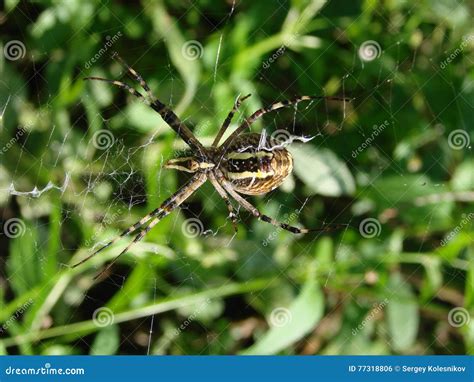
(245, 163)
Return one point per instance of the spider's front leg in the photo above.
(163, 110)
(274, 106)
(228, 120)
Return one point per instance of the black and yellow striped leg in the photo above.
(137, 238)
(228, 120)
(274, 106)
(134, 75)
(225, 197)
(164, 111)
(267, 219)
(128, 231)
(159, 213)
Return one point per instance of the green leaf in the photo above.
(322, 171)
(463, 178)
(107, 341)
(184, 54)
(434, 278)
(292, 324)
(402, 314)
(24, 261)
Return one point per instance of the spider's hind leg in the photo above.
(267, 219)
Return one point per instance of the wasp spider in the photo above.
(245, 163)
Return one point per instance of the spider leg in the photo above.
(134, 74)
(267, 219)
(274, 106)
(164, 111)
(228, 120)
(137, 238)
(122, 85)
(159, 213)
(225, 197)
(128, 231)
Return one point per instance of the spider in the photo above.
(245, 163)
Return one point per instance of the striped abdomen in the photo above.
(254, 167)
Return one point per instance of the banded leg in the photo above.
(134, 74)
(122, 85)
(267, 219)
(128, 231)
(225, 197)
(274, 106)
(159, 213)
(228, 120)
(164, 111)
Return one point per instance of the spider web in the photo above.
(100, 178)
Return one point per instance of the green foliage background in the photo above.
(404, 288)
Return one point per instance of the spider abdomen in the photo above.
(254, 167)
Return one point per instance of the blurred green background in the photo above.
(81, 161)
